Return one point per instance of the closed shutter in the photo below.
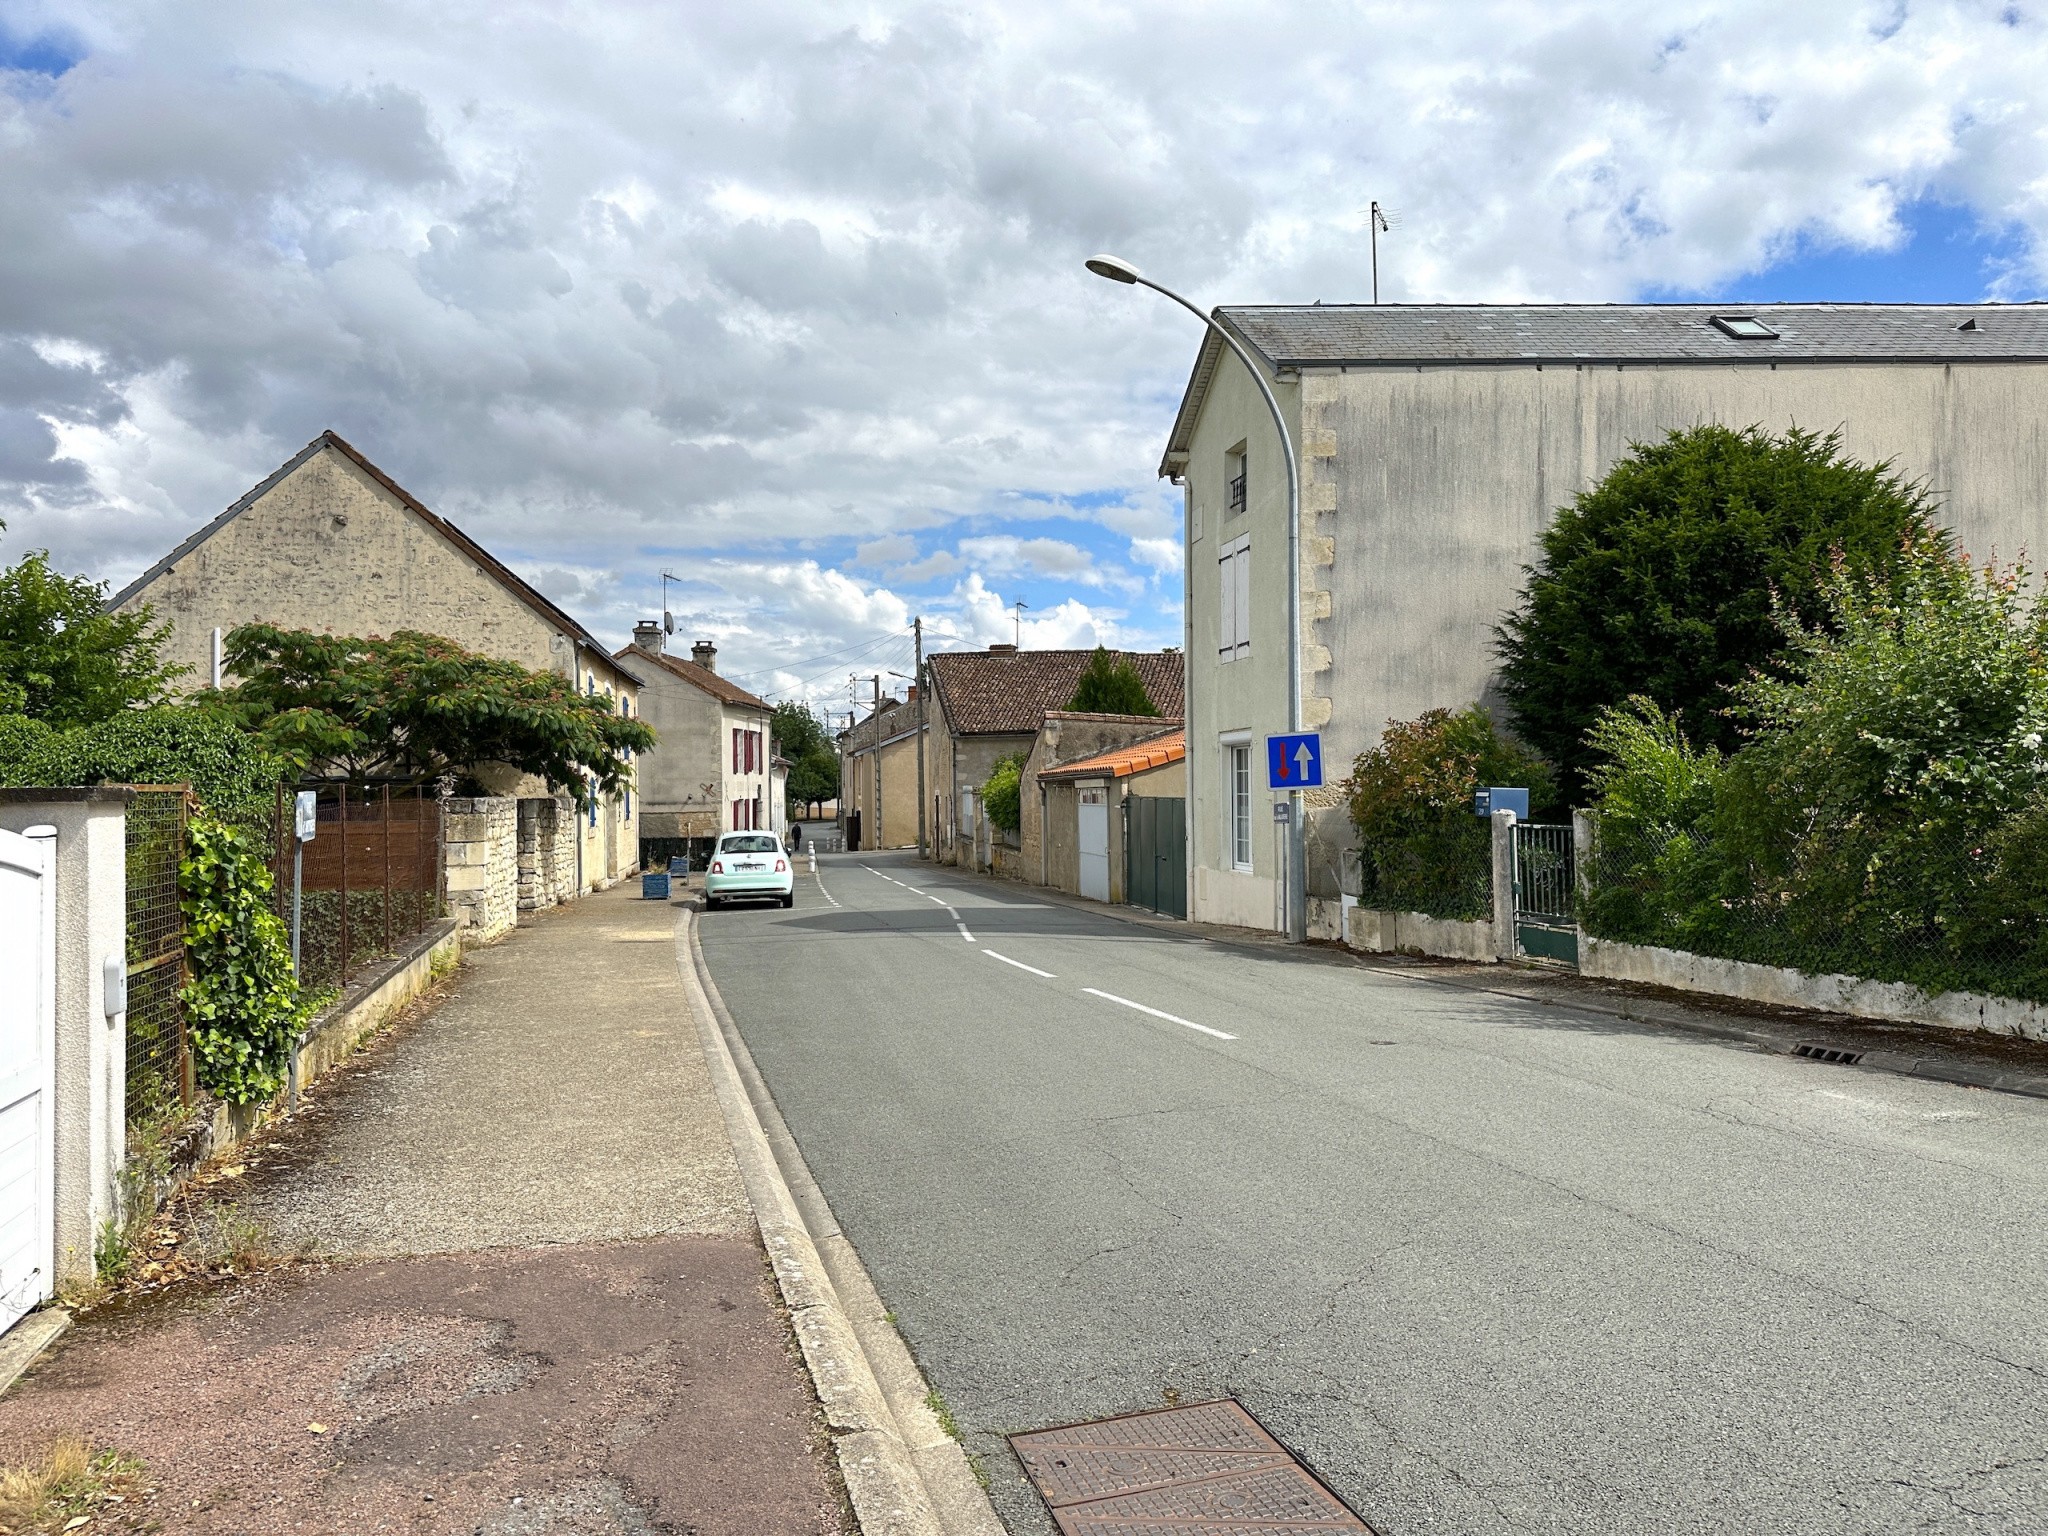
(1226, 623)
(1242, 560)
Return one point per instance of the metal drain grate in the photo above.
(1207, 1467)
(1827, 1053)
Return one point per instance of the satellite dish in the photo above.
(668, 622)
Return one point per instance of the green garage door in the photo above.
(1155, 854)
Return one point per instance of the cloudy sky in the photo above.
(786, 299)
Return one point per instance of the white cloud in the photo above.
(616, 285)
(1161, 555)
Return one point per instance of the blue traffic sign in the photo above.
(1294, 762)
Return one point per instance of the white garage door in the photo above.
(1095, 844)
(27, 1043)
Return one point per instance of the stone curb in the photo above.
(880, 1464)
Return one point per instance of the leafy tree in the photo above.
(1420, 847)
(1661, 580)
(796, 731)
(1110, 685)
(814, 777)
(1002, 792)
(415, 708)
(65, 661)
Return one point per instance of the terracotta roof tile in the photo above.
(691, 672)
(1007, 693)
(1125, 761)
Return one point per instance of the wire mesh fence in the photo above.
(1941, 905)
(1442, 869)
(369, 879)
(159, 1068)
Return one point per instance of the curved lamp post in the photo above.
(1118, 270)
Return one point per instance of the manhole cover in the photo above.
(1208, 1467)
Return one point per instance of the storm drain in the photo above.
(1207, 1468)
(1827, 1053)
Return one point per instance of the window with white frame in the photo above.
(1234, 626)
(1236, 483)
(1237, 789)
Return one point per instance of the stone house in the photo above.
(712, 770)
(1099, 843)
(1064, 737)
(878, 775)
(987, 705)
(1435, 443)
(331, 543)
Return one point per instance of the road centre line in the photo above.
(963, 930)
(1157, 1013)
(1034, 970)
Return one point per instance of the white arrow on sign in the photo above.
(1302, 758)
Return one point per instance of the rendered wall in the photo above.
(89, 1111)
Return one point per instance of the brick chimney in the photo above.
(1004, 649)
(647, 636)
(705, 654)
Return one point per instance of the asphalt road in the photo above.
(1485, 1265)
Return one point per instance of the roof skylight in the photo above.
(1745, 328)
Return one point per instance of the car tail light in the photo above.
(780, 867)
(717, 867)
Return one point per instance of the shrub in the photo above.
(242, 1006)
(1665, 579)
(64, 659)
(226, 767)
(1002, 792)
(1420, 847)
(1887, 813)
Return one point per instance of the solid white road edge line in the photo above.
(1034, 970)
(1157, 1013)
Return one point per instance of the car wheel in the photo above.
(789, 900)
(710, 903)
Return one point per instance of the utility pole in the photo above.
(875, 721)
(917, 629)
(1017, 618)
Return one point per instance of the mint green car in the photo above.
(748, 865)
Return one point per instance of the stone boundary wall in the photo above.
(1411, 933)
(1854, 995)
(547, 857)
(480, 863)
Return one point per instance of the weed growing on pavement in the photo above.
(240, 1240)
(113, 1253)
(951, 1426)
(66, 1488)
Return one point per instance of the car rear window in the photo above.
(752, 842)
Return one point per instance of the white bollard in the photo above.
(814, 861)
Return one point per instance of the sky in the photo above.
(786, 300)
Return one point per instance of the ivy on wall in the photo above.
(243, 1007)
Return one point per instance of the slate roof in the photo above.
(691, 672)
(1121, 763)
(492, 565)
(1007, 693)
(1412, 335)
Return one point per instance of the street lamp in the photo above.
(1117, 270)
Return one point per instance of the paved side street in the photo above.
(544, 1307)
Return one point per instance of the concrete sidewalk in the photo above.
(539, 1302)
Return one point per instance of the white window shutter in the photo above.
(1226, 624)
(1243, 600)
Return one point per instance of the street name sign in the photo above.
(1295, 762)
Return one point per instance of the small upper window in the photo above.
(1234, 482)
(1745, 327)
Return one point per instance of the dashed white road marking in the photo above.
(1034, 970)
(951, 910)
(963, 930)
(1157, 1013)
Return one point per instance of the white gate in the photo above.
(1095, 844)
(28, 1039)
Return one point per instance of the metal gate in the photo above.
(28, 1023)
(1155, 853)
(1546, 882)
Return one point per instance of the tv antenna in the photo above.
(1381, 221)
(668, 620)
(1017, 618)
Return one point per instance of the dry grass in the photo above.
(70, 1484)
